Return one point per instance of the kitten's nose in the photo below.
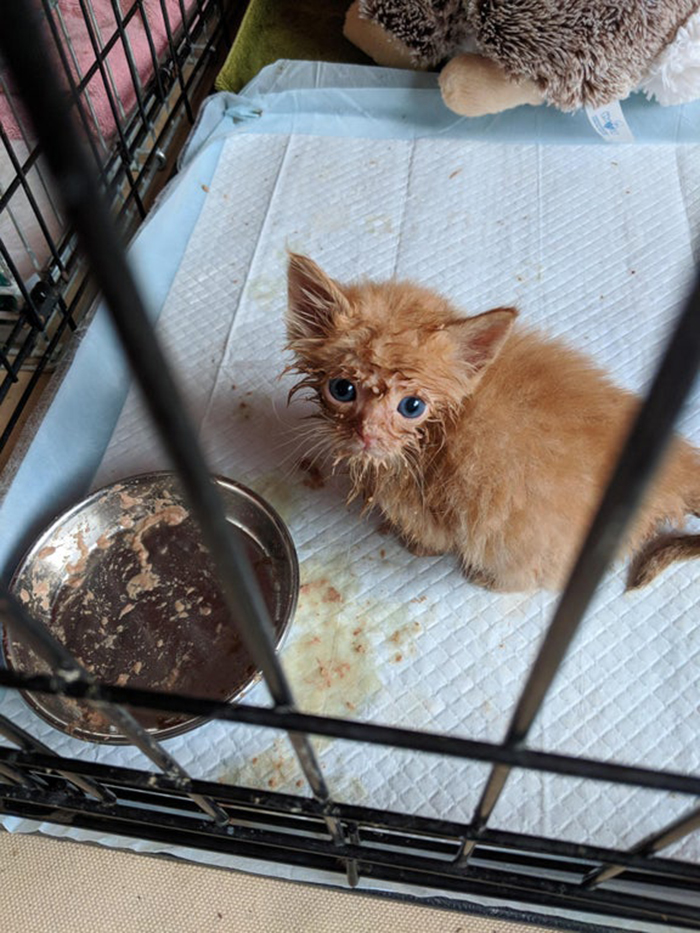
(367, 436)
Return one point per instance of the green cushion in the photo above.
(298, 29)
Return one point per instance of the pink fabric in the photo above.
(118, 75)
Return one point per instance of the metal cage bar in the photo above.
(133, 158)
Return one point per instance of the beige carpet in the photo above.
(52, 885)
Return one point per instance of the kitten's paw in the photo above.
(420, 550)
(413, 547)
(520, 583)
(480, 578)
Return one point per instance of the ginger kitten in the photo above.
(472, 435)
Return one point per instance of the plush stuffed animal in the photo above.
(567, 53)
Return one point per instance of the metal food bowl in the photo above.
(125, 583)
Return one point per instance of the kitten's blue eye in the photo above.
(342, 390)
(411, 407)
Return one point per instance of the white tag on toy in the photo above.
(609, 122)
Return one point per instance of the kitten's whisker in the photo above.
(300, 448)
(294, 447)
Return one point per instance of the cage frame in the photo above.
(457, 860)
(133, 165)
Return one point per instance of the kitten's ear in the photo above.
(313, 298)
(481, 338)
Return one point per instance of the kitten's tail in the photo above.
(658, 554)
(676, 493)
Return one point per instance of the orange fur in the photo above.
(507, 464)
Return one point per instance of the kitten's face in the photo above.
(373, 417)
(388, 364)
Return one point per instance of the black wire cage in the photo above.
(136, 73)
(103, 184)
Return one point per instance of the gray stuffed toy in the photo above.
(502, 53)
